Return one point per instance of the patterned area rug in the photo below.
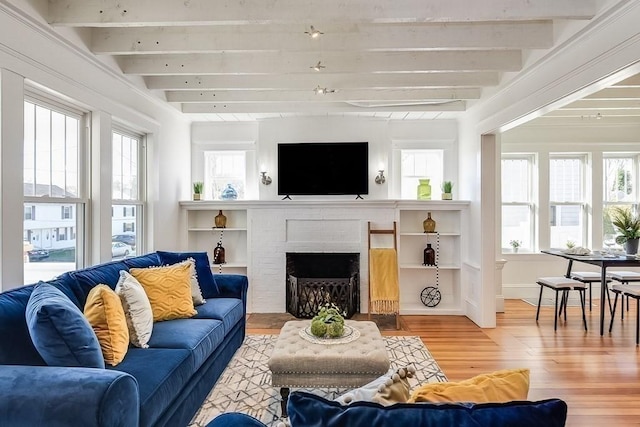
(245, 385)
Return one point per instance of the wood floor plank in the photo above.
(598, 377)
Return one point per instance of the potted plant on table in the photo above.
(328, 322)
(197, 190)
(627, 225)
(515, 245)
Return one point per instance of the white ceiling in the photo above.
(401, 59)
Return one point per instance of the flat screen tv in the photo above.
(323, 168)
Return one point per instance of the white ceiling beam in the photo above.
(97, 13)
(593, 113)
(598, 104)
(340, 62)
(309, 95)
(310, 107)
(616, 93)
(301, 81)
(483, 35)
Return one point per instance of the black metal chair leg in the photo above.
(583, 296)
(590, 296)
(637, 320)
(565, 301)
(539, 301)
(613, 312)
(555, 314)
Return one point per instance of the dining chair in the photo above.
(589, 278)
(565, 285)
(625, 278)
(628, 291)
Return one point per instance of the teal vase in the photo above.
(424, 189)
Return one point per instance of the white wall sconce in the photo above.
(380, 179)
(265, 179)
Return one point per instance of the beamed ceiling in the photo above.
(401, 59)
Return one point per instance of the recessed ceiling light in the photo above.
(318, 66)
(313, 33)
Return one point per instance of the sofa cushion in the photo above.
(59, 330)
(500, 386)
(203, 269)
(168, 289)
(104, 312)
(16, 347)
(308, 410)
(143, 261)
(160, 373)
(229, 310)
(137, 309)
(201, 337)
(107, 273)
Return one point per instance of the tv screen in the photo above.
(323, 168)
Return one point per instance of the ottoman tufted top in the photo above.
(298, 362)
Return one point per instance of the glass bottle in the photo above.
(429, 224)
(218, 254)
(220, 220)
(429, 255)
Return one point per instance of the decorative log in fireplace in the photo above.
(315, 279)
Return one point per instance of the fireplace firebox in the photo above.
(315, 279)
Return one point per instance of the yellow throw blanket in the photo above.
(383, 281)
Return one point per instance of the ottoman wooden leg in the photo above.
(284, 392)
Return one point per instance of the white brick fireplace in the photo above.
(325, 227)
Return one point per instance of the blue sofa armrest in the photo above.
(61, 396)
(232, 286)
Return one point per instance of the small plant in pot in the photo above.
(627, 225)
(197, 190)
(329, 322)
(515, 245)
(447, 188)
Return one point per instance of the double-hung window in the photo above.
(568, 208)
(128, 194)
(54, 197)
(518, 206)
(620, 181)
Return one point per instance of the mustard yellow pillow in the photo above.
(500, 386)
(168, 289)
(104, 312)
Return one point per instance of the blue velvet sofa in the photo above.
(308, 410)
(163, 385)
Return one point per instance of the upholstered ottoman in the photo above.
(298, 362)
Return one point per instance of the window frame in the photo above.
(81, 201)
(531, 202)
(139, 203)
(583, 204)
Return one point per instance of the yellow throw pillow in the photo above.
(496, 387)
(104, 312)
(168, 289)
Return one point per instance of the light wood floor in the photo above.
(598, 377)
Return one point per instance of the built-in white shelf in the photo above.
(431, 267)
(213, 229)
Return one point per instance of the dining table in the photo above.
(601, 259)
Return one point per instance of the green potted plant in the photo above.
(447, 188)
(515, 245)
(197, 190)
(628, 227)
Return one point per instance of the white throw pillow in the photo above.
(137, 309)
(386, 390)
(196, 293)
